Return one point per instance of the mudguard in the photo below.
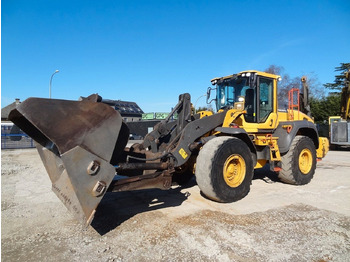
(286, 131)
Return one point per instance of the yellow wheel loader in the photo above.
(83, 143)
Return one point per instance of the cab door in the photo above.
(261, 101)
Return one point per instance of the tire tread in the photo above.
(286, 175)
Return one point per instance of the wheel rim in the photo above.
(234, 170)
(305, 161)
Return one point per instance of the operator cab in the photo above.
(249, 91)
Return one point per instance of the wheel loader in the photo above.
(83, 143)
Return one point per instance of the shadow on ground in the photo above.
(117, 207)
(266, 175)
(339, 148)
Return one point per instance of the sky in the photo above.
(150, 52)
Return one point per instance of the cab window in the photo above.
(265, 98)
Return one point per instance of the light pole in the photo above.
(197, 101)
(51, 82)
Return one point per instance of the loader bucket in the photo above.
(76, 141)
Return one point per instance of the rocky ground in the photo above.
(275, 222)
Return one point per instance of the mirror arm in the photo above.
(208, 95)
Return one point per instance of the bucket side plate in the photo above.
(76, 141)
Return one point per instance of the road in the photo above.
(274, 222)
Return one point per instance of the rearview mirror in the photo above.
(208, 95)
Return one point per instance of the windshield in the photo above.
(229, 91)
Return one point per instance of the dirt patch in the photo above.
(174, 225)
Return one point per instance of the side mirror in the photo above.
(208, 95)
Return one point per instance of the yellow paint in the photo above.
(236, 116)
(205, 113)
(183, 153)
(234, 170)
(260, 163)
(249, 71)
(270, 123)
(263, 140)
(305, 161)
(271, 142)
(284, 117)
(347, 110)
(275, 154)
(332, 119)
(323, 147)
(231, 115)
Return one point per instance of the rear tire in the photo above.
(224, 169)
(299, 164)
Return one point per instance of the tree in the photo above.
(325, 107)
(287, 83)
(204, 108)
(341, 85)
(282, 93)
(339, 81)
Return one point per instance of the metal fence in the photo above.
(13, 140)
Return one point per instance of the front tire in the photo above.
(224, 169)
(299, 164)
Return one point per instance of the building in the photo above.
(129, 111)
(7, 109)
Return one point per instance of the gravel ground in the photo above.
(275, 222)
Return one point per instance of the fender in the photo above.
(192, 131)
(286, 131)
(241, 134)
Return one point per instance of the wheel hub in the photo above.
(234, 170)
(305, 161)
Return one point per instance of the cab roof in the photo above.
(217, 79)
